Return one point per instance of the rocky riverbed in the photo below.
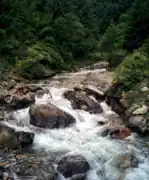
(62, 128)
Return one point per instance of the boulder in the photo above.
(21, 98)
(92, 90)
(113, 98)
(46, 90)
(49, 116)
(8, 138)
(120, 133)
(116, 132)
(34, 88)
(25, 138)
(125, 160)
(40, 93)
(16, 98)
(141, 110)
(138, 123)
(11, 139)
(80, 100)
(71, 165)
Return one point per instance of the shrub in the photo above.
(133, 70)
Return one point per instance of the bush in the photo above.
(133, 70)
(46, 32)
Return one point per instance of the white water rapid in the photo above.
(109, 159)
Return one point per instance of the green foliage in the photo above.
(53, 34)
(132, 70)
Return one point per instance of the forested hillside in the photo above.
(42, 35)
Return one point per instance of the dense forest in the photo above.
(40, 36)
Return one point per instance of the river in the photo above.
(109, 159)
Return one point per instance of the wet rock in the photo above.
(101, 123)
(78, 177)
(138, 124)
(49, 116)
(40, 93)
(4, 95)
(71, 165)
(120, 133)
(113, 97)
(16, 98)
(116, 132)
(25, 138)
(46, 90)
(142, 110)
(8, 138)
(126, 160)
(79, 100)
(21, 98)
(92, 90)
(34, 88)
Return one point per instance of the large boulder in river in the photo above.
(80, 100)
(8, 138)
(73, 164)
(49, 116)
(92, 90)
(11, 139)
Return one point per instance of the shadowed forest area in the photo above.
(42, 36)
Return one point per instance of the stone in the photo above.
(92, 90)
(46, 90)
(116, 131)
(8, 138)
(22, 101)
(49, 116)
(126, 160)
(25, 138)
(121, 133)
(40, 93)
(142, 110)
(74, 164)
(144, 89)
(99, 65)
(34, 88)
(11, 139)
(17, 98)
(139, 124)
(80, 100)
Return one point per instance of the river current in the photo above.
(109, 159)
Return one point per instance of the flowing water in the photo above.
(109, 159)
